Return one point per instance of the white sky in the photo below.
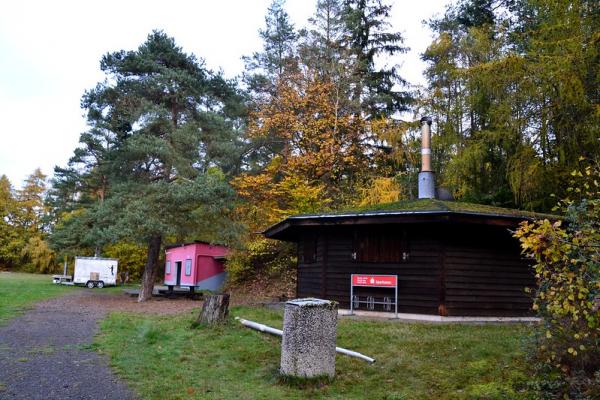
(50, 53)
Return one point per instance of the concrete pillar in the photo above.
(309, 337)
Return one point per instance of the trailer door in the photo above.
(178, 267)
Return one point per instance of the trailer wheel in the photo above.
(100, 284)
(90, 284)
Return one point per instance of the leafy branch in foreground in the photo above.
(567, 256)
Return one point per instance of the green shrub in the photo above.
(38, 257)
(567, 256)
(269, 258)
(131, 256)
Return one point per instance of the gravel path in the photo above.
(44, 353)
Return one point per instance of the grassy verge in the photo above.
(18, 291)
(163, 358)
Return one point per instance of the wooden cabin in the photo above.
(451, 259)
(197, 265)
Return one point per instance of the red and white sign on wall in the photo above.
(375, 280)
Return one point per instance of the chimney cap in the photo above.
(427, 119)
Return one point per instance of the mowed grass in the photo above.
(164, 358)
(18, 291)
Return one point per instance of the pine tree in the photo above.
(279, 37)
(322, 48)
(375, 89)
(158, 128)
(343, 41)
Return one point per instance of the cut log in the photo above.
(215, 309)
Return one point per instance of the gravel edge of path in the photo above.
(46, 353)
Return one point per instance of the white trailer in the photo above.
(95, 272)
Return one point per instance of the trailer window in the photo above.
(168, 268)
(188, 267)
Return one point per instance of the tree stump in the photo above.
(215, 309)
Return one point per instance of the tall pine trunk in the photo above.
(151, 266)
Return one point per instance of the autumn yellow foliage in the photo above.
(321, 155)
(380, 191)
(567, 257)
(321, 152)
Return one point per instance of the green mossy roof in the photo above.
(434, 205)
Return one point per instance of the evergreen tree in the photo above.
(351, 99)
(342, 44)
(279, 37)
(375, 89)
(159, 126)
(322, 48)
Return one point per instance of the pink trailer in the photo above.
(197, 265)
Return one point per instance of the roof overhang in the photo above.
(172, 246)
(290, 228)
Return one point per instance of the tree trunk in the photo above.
(149, 271)
(215, 309)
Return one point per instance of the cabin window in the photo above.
(168, 267)
(309, 250)
(188, 267)
(381, 247)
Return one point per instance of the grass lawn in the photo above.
(164, 358)
(18, 291)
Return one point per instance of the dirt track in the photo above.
(44, 354)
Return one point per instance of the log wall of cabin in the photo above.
(418, 285)
(452, 270)
(485, 274)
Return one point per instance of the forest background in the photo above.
(175, 152)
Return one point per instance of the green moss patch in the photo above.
(434, 205)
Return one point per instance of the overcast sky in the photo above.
(50, 52)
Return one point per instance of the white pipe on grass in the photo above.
(355, 354)
(278, 332)
(260, 327)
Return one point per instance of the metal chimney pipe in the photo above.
(425, 144)
(426, 176)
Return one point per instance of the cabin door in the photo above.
(178, 267)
